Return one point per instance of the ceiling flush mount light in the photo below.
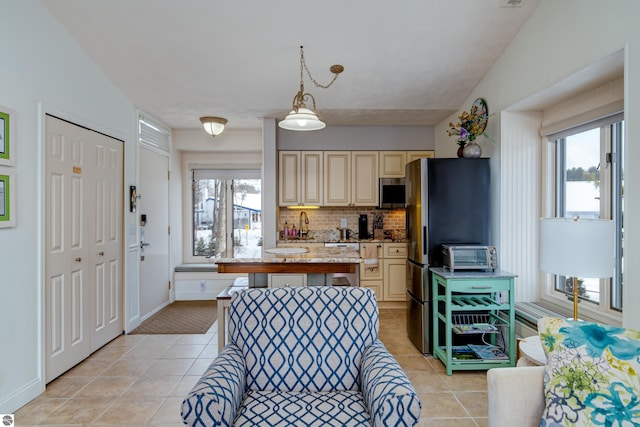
(213, 125)
(301, 117)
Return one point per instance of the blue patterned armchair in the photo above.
(305, 356)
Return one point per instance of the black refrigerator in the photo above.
(447, 201)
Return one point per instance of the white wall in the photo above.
(559, 39)
(358, 138)
(40, 63)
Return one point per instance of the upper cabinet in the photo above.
(311, 185)
(350, 178)
(392, 163)
(300, 178)
(288, 178)
(338, 178)
(364, 178)
(413, 155)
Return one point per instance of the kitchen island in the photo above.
(316, 267)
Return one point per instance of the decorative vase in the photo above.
(472, 151)
(460, 149)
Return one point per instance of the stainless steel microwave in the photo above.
(469, 257)
(392, 193)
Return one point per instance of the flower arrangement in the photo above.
(471, 124)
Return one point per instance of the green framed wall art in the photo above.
(7, 199)
(7, 157)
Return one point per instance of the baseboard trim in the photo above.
(25, 394)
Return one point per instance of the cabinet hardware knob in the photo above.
(78, 259)
(101, 253)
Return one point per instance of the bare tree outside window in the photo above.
(227, 220)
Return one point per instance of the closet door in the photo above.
(105, 156)
(83, 223)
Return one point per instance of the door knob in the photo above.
(143, 245)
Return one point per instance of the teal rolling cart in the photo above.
(478, 309)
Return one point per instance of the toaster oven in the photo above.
(469, 257)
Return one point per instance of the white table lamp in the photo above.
(575, 247)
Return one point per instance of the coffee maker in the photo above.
(363, 227)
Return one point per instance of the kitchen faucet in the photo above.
(306, 222)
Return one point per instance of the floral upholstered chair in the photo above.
(303, 356)
(592, 378)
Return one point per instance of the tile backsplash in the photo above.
(328, 218)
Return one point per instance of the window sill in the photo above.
(529, 313)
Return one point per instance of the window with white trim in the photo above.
(589, 182)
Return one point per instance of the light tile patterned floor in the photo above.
(140, 380)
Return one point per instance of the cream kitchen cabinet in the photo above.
(372, 277)
(392, 164)
(288, 178)
(388, 279)
(337, 178)
(364, 178)
(413, 155)
(394, 267)
(350, 178)
(300, 178)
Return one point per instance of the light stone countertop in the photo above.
(315, 255)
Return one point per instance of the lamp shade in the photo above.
(213, 125)
(577, 247)
(302, 120)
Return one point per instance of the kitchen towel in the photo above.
(371, 256)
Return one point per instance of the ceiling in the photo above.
(407, 62)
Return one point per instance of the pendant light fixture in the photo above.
(302, 118)
(213, 125)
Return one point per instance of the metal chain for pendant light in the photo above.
(335, 69)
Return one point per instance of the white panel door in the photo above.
(154, 203)
(77, 318)
(105, 246)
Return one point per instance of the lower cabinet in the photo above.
(388, 279)
(372, 277)
(395, 279)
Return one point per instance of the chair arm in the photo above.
(389, 395)
(516, 396)
(216, 397)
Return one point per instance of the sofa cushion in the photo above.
(592, 374)
(308, 339)
(270, 408)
